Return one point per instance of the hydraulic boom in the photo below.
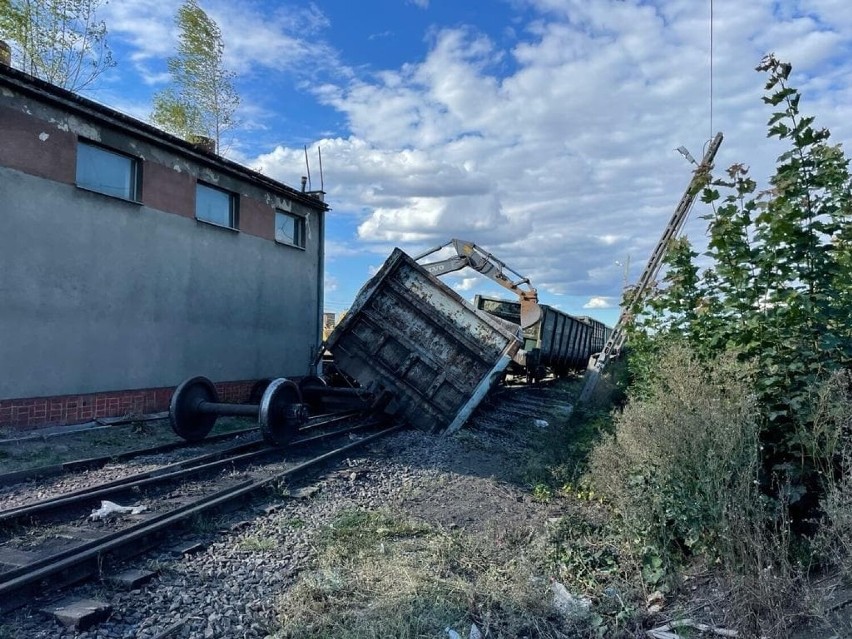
(472, 256)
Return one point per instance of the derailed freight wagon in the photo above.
(557, 342)
(412, 336)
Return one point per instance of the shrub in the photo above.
(685, 459)
(682, 474)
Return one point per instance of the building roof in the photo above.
(74, 103)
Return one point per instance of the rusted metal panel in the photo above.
(410, 334)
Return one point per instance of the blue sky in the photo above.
(543, 130)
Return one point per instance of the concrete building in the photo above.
(131, 260)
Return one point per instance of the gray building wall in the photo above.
(99, 294)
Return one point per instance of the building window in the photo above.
(107, 172)
(215, 206)
(289, 229)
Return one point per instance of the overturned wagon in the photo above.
(410, 335)
(557, 342)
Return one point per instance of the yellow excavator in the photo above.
(469, 255)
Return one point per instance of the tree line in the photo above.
(63, 42)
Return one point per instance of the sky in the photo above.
(542, 130)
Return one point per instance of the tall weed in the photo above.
(831, 450)
(684, 461)
(684, 474)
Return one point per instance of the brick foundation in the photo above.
(35, 412)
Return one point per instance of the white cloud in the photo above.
(548, 142)
(557, 154)
(467, 284)
(255, 38)
(599, 302)
(330, 284)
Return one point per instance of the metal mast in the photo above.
(646, 281)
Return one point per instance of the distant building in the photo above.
(328, 324)
(131, 260)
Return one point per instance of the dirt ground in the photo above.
(422, 536)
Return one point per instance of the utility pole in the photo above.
(649, 275)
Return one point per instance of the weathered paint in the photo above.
(410, 334)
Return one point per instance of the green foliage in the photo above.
(682, 479)
(542, 493)
(60, 41)
(201, 100)
(257, 543)
(683, 460)
(779, 286)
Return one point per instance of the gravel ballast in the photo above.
(230, 588)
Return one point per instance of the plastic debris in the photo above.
(569, 605)
(541, 423)
(474, 632)
(452, 634)
(666, 631)
(110, 508)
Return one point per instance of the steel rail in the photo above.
(29, 577)
(164, 474)
(52, 470)
(17, 476)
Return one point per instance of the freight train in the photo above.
(557, 343)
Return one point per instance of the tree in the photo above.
(778, 289)
(202, 99)
(60, 41)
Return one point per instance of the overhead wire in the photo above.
(711, 70)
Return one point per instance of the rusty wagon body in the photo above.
(411, 335)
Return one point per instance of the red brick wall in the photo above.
(37, 147)
(257, 218)
(36, 412)
(165, 189)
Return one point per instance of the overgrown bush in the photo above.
(682, 476)
(831, 449)
(684, 461)
(734, 448)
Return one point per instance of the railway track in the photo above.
(53, 543)
(241, 453)
(92, 463)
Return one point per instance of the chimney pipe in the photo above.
(304, 182)
(203, 143)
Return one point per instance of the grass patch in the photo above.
(294, 523)
(378, 575)
(205, 523)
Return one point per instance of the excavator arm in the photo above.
(469, 255)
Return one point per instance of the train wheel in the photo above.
(281, 412)
(186, 420)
